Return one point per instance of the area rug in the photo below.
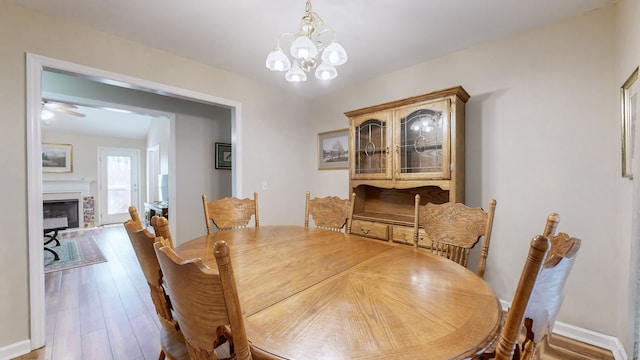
(73, 252)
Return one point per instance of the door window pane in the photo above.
(118, 184)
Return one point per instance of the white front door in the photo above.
(118, 183)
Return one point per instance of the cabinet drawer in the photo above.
(370, 229)
(423, 240)
(403, 234)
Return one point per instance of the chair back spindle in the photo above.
(161, 228)
(135, 218)
(509, 336)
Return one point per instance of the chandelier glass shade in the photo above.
(308, 52)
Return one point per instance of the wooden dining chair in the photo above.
(171, 338)
(135, 218)
(160, 226)
(230, 212)
(205, 301)
(538, 298)
(330, 212)
(451, 230)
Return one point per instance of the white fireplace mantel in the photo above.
(82, 186)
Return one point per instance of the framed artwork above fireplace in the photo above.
(57, 157)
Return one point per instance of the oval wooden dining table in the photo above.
(319, 294)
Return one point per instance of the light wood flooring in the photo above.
(104, 311)
(100, 311)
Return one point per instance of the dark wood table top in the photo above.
(318, 294)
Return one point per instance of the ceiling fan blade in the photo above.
(70, 112)
(61, 107)
(52, 105)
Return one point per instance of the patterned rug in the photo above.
(73, 252)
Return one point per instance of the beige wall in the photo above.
(627, 57)
(85, 155)
(543, 136)
(264, 117)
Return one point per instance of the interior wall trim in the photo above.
(16, 349)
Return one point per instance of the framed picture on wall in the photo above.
(333, 150)
(629, 105)
(56, 157)
(223, 156)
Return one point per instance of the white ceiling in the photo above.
(380, 36)
(101, 121)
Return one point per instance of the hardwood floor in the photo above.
(101, 311)
(104, 311)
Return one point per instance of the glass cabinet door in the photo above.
(422, 146)
(371, 146)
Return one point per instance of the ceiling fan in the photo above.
(56, 106)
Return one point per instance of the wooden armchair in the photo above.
(538, 297)
(451, 230)
(330, 212)
(161, 228)
(206, 302)
(171, 338)
(230, 213)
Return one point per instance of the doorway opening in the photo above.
(36, 65)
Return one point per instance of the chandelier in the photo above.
(308, 51)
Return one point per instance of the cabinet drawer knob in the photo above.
(364, 231)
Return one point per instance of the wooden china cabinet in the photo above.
(403, 148)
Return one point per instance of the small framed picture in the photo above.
(56, 157)
(629, 105)
(333, 150)
(223, 156)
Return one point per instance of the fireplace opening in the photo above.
(62, 208)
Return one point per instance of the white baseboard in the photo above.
(592, 338)
(586, 336)
(14, 350)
